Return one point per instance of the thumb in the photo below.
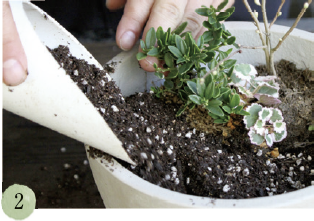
(14, 58)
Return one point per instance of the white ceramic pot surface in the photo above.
(121, 188)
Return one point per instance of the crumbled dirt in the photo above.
(172, 154)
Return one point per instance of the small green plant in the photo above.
(185, 62)
(265, 124)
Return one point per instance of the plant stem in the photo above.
(292, 27)
(269, 60)
(252, 47)
(277, 14)
(272, 51)
(257, 24)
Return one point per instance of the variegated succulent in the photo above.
(263, 88)
(265, 125)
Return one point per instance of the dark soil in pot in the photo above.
(219, 162)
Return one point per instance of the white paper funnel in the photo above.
(49, 96)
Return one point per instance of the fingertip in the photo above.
(148, 63)
(13, 73)
(127, 40)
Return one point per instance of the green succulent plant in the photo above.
(185, 62)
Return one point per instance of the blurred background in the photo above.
(55, 166)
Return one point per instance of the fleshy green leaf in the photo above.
(185, 67)
(192, 86)
(150, 39)
(269, 140)
(223, 16)
(200, 86)
(169, 60)
(235, 100)
(265, 114)
(211, 19)
(259, 127)
(278, 137)
(153, 52)
(196, 99)
(209, 91)
(172, 74)
(214, 103)
(200, 42)
(229, 63)
(175, 51)
(216, 110)
(269, 90)
(231, 40)
(140, 56)
(168, 84)
(216, 92)
(277, 115)
(142, 43)
(279, 126)
(208, 36)
(222, 5)
(250, 120)
(180, 28)
(217, 34)
(227, 109)
(203, 11)
(255, 138)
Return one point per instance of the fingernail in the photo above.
(127, 40)
(13, 72)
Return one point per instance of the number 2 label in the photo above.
(16, 196)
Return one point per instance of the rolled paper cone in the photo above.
(49, 96)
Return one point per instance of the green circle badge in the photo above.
(18, 201)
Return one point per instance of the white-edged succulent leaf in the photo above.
(255, 138)
(269, 139)
(267, 99)
(276, 116)
(265, 88)
(251, 119)
(265, 114)
(244, 71)
(278, 137)
(279, 126)
(259, 127)
(265, 78)
(245, 92)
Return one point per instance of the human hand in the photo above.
(14, 58)
(164, 13)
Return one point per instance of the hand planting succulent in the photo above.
(265, 124)
(185, 62)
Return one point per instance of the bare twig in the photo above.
(278, 13)
(256, 22)
(292, 27)
(252, 47)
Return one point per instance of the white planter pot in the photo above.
(121, 188)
